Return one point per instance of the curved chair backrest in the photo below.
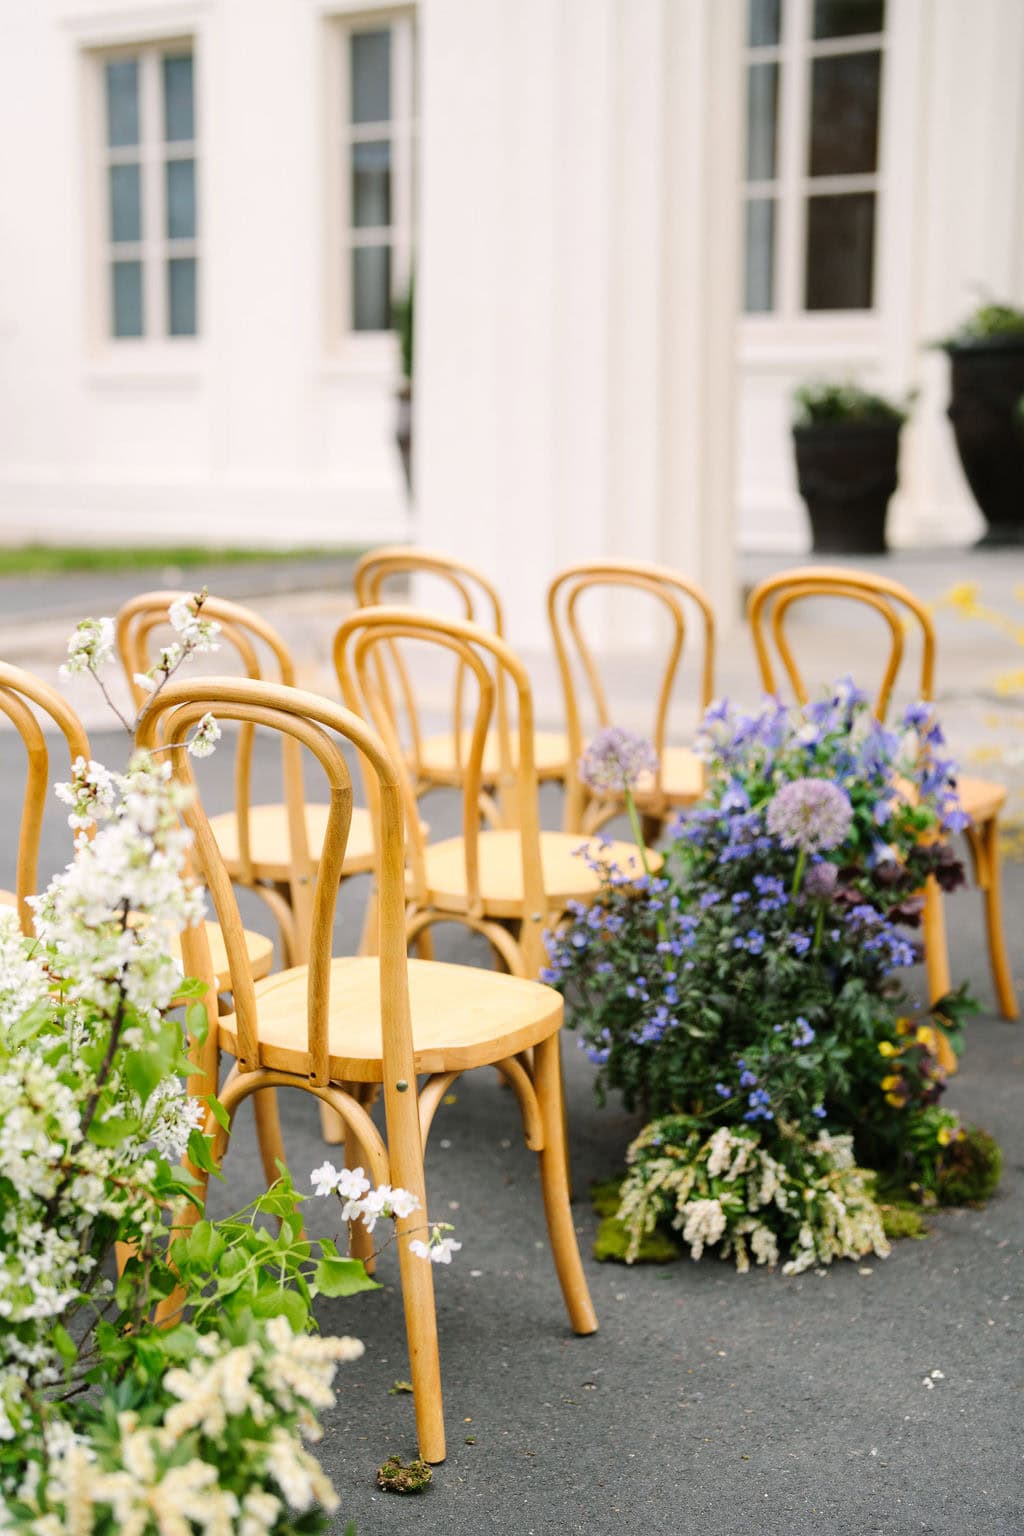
(773, 600)
(22, 698)
(477, 602)
(255, 642)
(491, 666)
(670, 594)
(307, 720)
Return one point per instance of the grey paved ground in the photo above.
(708, 1403)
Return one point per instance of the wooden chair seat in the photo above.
(980, 798)
(682, 779)
(461, 1018)
(270, 844)
(566, 874)
(438, 761)
(258, 947)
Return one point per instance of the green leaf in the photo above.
(200, 1152)
(63, 1343)
(112, 1130)
(197, 1022)
(342, 1277)
(144, 1071)
(205, 1244)
(279, 1303)
(220, 1114)
(190, 987)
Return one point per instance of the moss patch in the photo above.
(973, 1170)
(604, 1196)
(397, 1476)
(612, 1242)
(902, 1218)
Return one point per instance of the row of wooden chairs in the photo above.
(345, 1028)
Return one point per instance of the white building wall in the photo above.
(951, 234)
(577, 285)
(260, 431)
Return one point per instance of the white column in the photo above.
(577, 288)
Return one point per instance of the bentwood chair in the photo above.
(368, 1022)
(439, 758)
(24, 699)
(507, 883)
(679, 779)
(901, 612)
(272, 849)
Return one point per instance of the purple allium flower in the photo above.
(615, 759)
(810, 814)
(820, 881)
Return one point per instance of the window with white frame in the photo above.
(148, 158)
(811, 194)
(373, 152)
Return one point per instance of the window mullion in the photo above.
(793, 157)
(154, 236)
(402, 85)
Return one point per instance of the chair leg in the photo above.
(1002, 975)
(555, 1187)
(936, 950)
(268, 1133)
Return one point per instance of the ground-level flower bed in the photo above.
(748, 1000)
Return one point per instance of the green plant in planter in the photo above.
(403, 317)
(402, 311)
(819, 404)
(847, 446)
(986, 356)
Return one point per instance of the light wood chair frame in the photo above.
(485, 658)
(671, 594)
(770, 605)
(480, 604)
(242, 629)
(21, 695)
(313, 723)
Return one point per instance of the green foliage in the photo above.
(57, 559)
(402, 312)
(971, 1169)
(902, 1218)
(824, 404)
(988, 322)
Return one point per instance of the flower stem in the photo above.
(637, 829)
(798, 873)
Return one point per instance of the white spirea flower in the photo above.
(324, 1179)
(91, 793)
(90, 646)
(207, 734)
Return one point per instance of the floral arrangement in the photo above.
(754, 983)
(727, 1189)
(112, 1419)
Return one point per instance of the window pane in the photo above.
(179, 115)
(181, 199)
(125, 203)
(763, 21)
(371, 184)
(181, 294)
(122, 102)
(762, 111)
(840, 251)
(371, 76)
(848, 18)
(759, 263)
(127, 294)
(844, 114)
(371, 288)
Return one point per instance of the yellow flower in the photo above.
(963, 596)
(925, 1035)
(886, 1048)
(945, 1136)
(904, 1026)
(892, 1081)
(894, 1098)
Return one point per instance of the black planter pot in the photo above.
(847, 472)
(986, 389)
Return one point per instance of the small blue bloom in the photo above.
(747, 1079)
(722, 1091)
(819, 1111)
(804, 1033)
